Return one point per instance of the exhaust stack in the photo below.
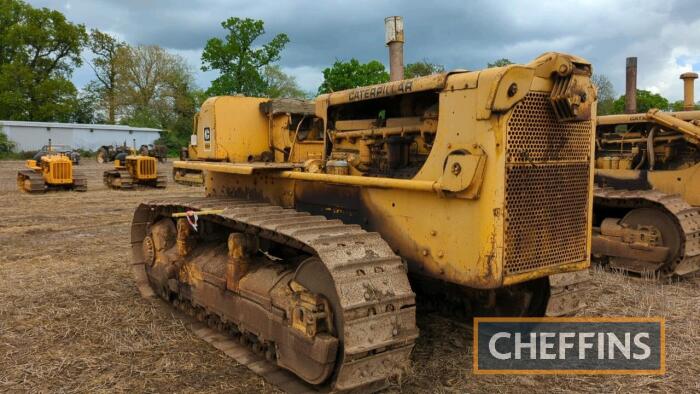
(631, 86)
(689, 90)
(393, 34)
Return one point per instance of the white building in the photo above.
(29, 136)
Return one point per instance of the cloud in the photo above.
(665, 36)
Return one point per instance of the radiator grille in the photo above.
(534, 134)
(147, 167)
(61, 171)
(547, 188)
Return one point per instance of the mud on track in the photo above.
(71, 319)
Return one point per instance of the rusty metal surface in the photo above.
(689, 90)
(188, 177)
(394, 39)
(79, 181)
(547, 161)
(567, 293)
(631, 86)
(370, 281)
(30, 181)
(686, 217)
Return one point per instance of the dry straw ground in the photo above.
(71, 319)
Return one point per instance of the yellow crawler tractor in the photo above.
(647, 199)
(647, 203)
(476, 186)
(132, 170)
(50, 172)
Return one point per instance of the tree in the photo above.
(421, 69)
(156, 89)
(38, 50)
(86, 108)
(646, 100)
(606, 94)
(149, 82)
(351, 74)
(279, 84)
(679, 105)
(104, 64)
(240, 63)
(499, 63)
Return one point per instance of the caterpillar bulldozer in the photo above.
(132, 170)
(316, 231)
(52, 171)
(647, 196)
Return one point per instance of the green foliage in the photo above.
(679, 106)
(238, 61)
(6, 146)
(421, 69)
(38, 50)
(105, 64)
(178, 132)
(606, 94)
(151, 85)
(86, 109)
(156, 89)
(279, 84)
(351, 74)
(499, 63)
(646, 100)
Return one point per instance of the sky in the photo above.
(460, 34)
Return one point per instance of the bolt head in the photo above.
(512, 89)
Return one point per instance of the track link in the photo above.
(30, 181)
(188, 178)
(79, 182)
(118, 179)
(377, 303)
(686, 217)
(161, 180)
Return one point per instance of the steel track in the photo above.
(687, 219)
(371, 282)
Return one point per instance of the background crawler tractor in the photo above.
(647, 203)
(50, 172)
(475, 185)
(132, 170)
(108, 153)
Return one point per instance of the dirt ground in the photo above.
(71, 319)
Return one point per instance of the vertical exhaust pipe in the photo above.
(393, 33)
(631, 86)
(689, 90)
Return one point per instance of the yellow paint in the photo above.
(685, 182)
(457, 237)
(141, 168)
(57, 169)
(236, 129)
